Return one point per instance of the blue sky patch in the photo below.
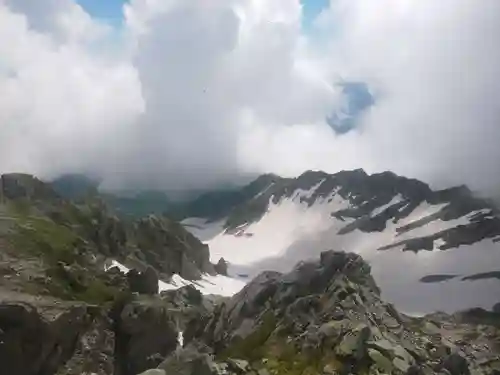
(107, 10)
(111, 10)
(311, 9)
(357, 99)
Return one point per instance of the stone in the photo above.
(238, 366)
(154, 372)
(221, 267)
(145, 333)
(383, 345)
(401, 364)
(188, 361)
(414, 370)
(34, 342)
(382, 362)
(143, 282)
(354, 342)
(456, 364)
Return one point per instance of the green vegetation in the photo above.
(59, 248)
(40, 236)
(265, 349)
(252, 347)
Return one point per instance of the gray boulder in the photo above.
(189, 361)
(39, 341)
(221, 267)
(145, 333)
(143, 282)
(456, 364)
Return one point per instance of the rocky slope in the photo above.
(327, 317)
(420, 243)
(46, 336)
(324, 317)
(53, 246)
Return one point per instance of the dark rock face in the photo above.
(456, 365)
(23, 186)
(170, 249)
(146, 332)
(94, 351)
(32, 344)
(143, 282)
(221, 267)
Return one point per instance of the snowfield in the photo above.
(219, 285)
(292, 231)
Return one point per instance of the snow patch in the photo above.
(397, 199)
(219, 284)
(285, 223)
(120, 266)
(292, 231)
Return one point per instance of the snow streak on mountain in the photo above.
(429, 250)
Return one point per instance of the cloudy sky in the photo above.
(193, 93)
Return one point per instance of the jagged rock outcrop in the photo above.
(40, 341)
(169, 248)
(53, 246)
(24, 186)
(324, 317)
(94, 350)
(145, 333)
(328, 317)
(143, 282)
(221, 267)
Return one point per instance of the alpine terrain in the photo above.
(322, 274)
(421, 244)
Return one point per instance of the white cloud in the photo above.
(62, 107)
(436, 65)
(203, 91)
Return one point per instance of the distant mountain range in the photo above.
(410, 234)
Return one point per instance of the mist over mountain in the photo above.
(186, 96)
(249, 187)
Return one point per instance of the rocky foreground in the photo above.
(324, 317)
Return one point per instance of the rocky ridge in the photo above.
(327, 317)
(366, 194)
(324, 317)
(53, 246)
